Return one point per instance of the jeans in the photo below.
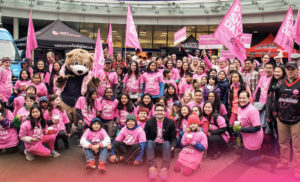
(164, 148)
(89, 155)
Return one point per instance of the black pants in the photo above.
(64, 137)
(129, 152)
(216, 143)
(9, 150)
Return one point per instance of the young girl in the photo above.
(8, 133)
(43, 103)
(199, 73)
(125, 107)
(109, 111)
(23, 112)
(236, 84)
(20, 100)
(95, 141)
(218, 105)
(119, 86)
(58, 119)
(175, 72)
(34, 133)
(5, 79)
(211, 86)
(203, 82)
(182, 124)
(195, 64)
(224, 86)
(204, 124)
(168, 79)
(186, 98)
(170, 97)
(41, 88)
(40, 69)
(147, 102)
(160, 66)
(152, 81)
(142, 116)
(130, 144)
(51, 78)
(218, 136)
(186, 85)
(23, 83)
(132, 81)
(194, 143)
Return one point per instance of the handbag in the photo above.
(259, 106)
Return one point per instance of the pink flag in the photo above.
(190, 56)
(230, 30)
(284, 37)
(31, 43)
(99, 56)
(180, 35)
(297, 28)
(132, 39)
(110, 42)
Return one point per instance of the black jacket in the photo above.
(169, 132)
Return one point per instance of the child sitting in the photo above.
(194, 143)
(95, 140)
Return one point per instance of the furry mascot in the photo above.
(74, 80)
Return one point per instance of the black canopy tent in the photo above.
(59, 36)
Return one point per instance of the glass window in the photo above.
(87, 29)
(145, 36)
(160, 37)
(171, 31)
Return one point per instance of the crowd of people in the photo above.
(201, 105)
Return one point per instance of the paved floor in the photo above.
(70, 167)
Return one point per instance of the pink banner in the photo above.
(284, 37)
(246, 39)
(228, 54)
(230, 30)
(297, 28)
(99, 56)
(132, 39)
(31, 43)
(180, 35)
(209, 42)
(109, 41)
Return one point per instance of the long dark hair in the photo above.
(240, 77)
(53, 73)
(273, 81)
(50, 105)
(182, 71)
(137, 71)
(3, 109)
(40, 119)
(148, 67)
(213, 110)
(149, 106)
(90, 103)
(129, 106)
(173, 66)
(168, 96)
(36, 69)
(26, 70)
(217, 103)
(181, 117)
(200, 111)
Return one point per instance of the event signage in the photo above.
(180, 36)
(132, 39)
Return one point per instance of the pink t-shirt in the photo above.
(141, 123)
(175, 74)
(63, 119)
(171, 81)
(199, 77)
(152, 81)
(187, 88)
(8, 136)
(159, 137)
(132, 83)
(131, 137)
(87, 114)
(190, 156)
(41, 89)
(123, 114)
(5, 84)
(23, 114)
(263, 84)
(18, 104)
(221, 124)
(47, 80)
(249, 117)
(193, 103)
(94, 137)
(184, 124)
(109, 109)
(150, 114)
(20, 84)
(223, 110)
(107, 80)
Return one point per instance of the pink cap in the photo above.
(222, 59)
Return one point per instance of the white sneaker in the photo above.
(53, 153)
(28, 156)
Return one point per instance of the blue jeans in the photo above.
(89, 155)
(164, 148)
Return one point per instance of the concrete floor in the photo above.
(70, 166)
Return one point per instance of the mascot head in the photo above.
(143, 56)
(79, 61)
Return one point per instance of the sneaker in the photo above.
(90, 165)
(53, 153)
(281, 165)
(28, 156)
(101, 167)
(163, 174)
(153, 173)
